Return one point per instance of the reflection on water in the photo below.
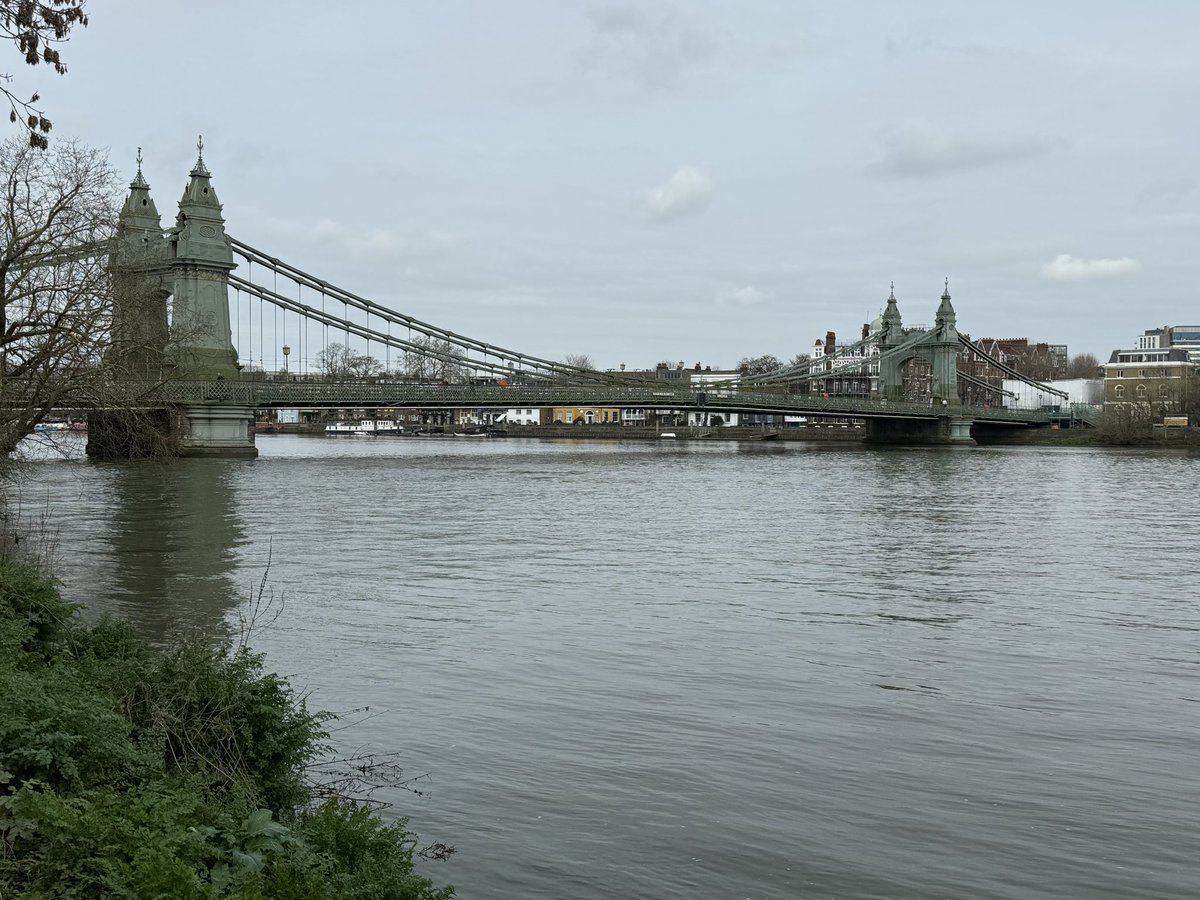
(713, 670)
(151, 542)
(174, 537)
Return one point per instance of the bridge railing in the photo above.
(389, 393)
(400, 394)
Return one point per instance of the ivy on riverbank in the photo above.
(127, 771)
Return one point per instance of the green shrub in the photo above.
(30, 599)
(159, 839)
(220, 716)
(131, 772)
(349, 854)
(59, 731)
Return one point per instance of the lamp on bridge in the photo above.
(286, 352)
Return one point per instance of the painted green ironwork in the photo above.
(378, 393)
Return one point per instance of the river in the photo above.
(708, 670)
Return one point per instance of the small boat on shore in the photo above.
(366, 427)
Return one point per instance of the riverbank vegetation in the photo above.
(132, 771)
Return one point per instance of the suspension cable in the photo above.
(326, 321)
(424, 328)
(1009, 370)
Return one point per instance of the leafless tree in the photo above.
(579, 360)
(57, 213)
(436, 360)
(759, 365)
(37, 29)
(1083, 365)
(339, 361)
(1130, 422)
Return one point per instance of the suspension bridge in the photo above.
(183, 294)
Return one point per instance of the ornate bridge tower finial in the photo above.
(139, 180)
(199, 170)
(945, 312)
(890, 320)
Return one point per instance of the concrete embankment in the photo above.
(684, 433)
(1096, 437)
(1039, 437)
(626, 432)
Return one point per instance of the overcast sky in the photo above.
(699, 181)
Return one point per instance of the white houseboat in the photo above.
(370, 427)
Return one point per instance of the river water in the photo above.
(709, 670)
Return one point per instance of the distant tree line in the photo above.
(434, 360)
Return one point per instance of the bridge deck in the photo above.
(383, 394)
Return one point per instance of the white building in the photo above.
(1172, 337)
(1078, 390)
(526, 416)
(853, 369)
(715, 382)
(634, 416)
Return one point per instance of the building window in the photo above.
(1141, 392)
(1119, 391)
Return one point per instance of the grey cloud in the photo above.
(618, 18)
(654, 50)
(918, 148)
(1165, 194)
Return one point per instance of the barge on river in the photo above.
(367, 427)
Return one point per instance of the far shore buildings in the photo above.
(1160, 375)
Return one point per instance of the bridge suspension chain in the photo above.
(794, 373)
(804, 371)
(516, 361)
(1009, 370)
(974, 381)
(844, 361)
(327, 320)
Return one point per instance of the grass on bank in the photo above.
(128, 771)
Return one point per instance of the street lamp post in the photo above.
(286, 352)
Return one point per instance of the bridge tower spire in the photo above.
(944, 357)
(139, 264)
(891, 378)
(202, 258)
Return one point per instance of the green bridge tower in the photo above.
(939, 347)
(184, 270)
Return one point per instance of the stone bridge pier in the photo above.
(942, 430)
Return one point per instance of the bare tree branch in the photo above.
(37, 29)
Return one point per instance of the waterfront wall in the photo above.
(634, 433)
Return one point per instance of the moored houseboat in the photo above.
(369, 427)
